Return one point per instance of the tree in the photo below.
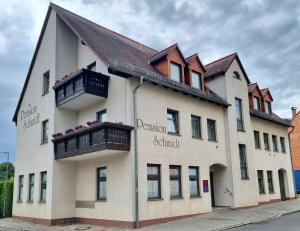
(11, 170)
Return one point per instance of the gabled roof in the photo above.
(266, 91)
(191, 58)
(113, 49)
(252, 87)
(163, 53)
(220, 66)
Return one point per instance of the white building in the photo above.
(205, 136)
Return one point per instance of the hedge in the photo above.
(9, 197)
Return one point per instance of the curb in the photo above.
(255, 222)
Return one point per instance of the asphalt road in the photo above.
(289, 222)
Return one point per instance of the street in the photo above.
(289, 222)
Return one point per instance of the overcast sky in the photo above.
(266, 35)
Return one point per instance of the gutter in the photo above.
(136, 178)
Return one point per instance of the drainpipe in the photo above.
(137, 222)
(291, 157)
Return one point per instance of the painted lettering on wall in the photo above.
(158, 140)
(30, 116)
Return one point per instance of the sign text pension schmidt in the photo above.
(158, 140)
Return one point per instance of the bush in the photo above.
(9, 197)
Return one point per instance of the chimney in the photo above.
(294, 111)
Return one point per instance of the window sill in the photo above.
(155, 199)
(46, 93)
(30, 202)
(215, 141)
(173, 134)
(262, 193)
(241, 130)
(176, 198)
(195, 197)
(42, 202)
(44, 142)
(197, 138)
(19, 201)
(101, 200)
(246, 178)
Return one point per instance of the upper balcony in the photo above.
(80, 89)
(106, 137)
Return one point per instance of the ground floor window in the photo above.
(194, 181)
(21, 186)
(243, 161)
(270, 181)
(261, 184)
(30, 187)
(43, 186)
(175, 181)
(101, 183)
(153, 178)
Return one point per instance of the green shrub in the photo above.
(9, 197)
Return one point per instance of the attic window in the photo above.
(236, 75)
(176, 72)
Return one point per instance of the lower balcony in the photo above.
(83, 142)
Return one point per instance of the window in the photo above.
(196, 80)
(173, 123)
(268, 107)
(102, 116)
(101, 183)
(211, 130)
(30, 187)
(266, 141)
(194, 181)
(175, 181)
(243, 161)
(45, 131)
(256, 103)
(261, 183)
(282, 144)
(257, 140)
(153, 178)
(270, 181)
(176, 72)
(43, 187)
(239, 114)
(21, 186)
(275, 144)
(196, 126)
(236, 75)
(92, 66)
(46, 82)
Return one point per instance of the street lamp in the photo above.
(6, 178)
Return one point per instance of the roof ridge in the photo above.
(252, 83)
(235, 53)
(119, 34)
(191, 56)
(158, 52)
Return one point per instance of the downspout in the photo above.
(136, 179)
(291, 157)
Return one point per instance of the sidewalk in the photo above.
(220, 219)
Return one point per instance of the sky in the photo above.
(265, 33)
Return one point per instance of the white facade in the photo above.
(71, 182)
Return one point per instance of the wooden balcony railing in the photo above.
(101, 136)
(77, 83)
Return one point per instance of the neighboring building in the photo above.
(295, 146)
(205, 136)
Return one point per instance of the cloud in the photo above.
(264, 33)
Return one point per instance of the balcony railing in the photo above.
(97, 137)
(77, 83)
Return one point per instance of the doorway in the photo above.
(282, 183)
(212, 191)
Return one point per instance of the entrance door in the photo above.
(212, 192)
(281, 185)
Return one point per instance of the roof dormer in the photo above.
(170, 62)
(255, 97)
(267, 99)
(195, 72)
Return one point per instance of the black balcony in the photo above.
(80, 89)
(97, 137)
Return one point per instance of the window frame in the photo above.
(46, 83)
(282, 144)
(43, 186)
(176, 178)
(209, 138)
(275, 143)
(258, 103)
(20, 188)
(200, 127)
(101, 113)
(263, 189)
(99, 180)
(91, 66)
(45, 129)
(199, 75)
(257, 145)
(243, 164)
(268, 108)
(176, 121)
(154, 177)
(180, 71)
(270, 182)
(239, 121)
(266, 144)
(236, 75)
(194, 178)
(30, 187)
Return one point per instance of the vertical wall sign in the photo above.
(205, 186)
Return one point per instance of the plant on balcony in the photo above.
(68, 131)
(56, 135)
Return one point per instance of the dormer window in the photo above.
(176, 73)
(236, 75)
(196, 80)
(268, 107)
(256, 103)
